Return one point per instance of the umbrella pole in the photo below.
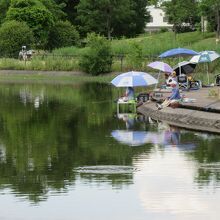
(157, 80)
(208, 72)
(179, 66)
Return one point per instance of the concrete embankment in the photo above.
(203, 114)
(181, 117)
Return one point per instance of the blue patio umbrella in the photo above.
(178, 52)
(133, 79)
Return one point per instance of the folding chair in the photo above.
(183, 82)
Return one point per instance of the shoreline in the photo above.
(184, 118)
(52, 77)
(202, 115)
(43, 72)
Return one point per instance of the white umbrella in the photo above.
(205, 57)
(133, 79)
(161, 66)
(164, 67)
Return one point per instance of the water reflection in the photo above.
(165, 135)
(27, 96)
(56, 138)
(131, 138)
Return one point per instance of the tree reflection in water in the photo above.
(47, 131)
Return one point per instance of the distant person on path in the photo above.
(174, 98)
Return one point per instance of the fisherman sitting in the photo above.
(174, 99)
(128, 96)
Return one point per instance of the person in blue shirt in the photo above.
(174, 98)
(129, 93)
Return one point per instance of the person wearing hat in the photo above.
(174, 76)
(174, 98)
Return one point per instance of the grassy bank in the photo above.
(67, 59)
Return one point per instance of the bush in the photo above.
(135, 57)
(97, 58)
(13, 35)
(63, 34)
(163, 29)
(36, 16)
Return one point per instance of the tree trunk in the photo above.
(218, 25)
(108, 28)
(203, 25)
(174, 31)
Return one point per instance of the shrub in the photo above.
(135, 57)
(97, 58)
(13, 35)
(163, 29)
(63, 34)
(36, 16)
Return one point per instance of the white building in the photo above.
(158, 19)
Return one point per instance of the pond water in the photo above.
(66, 154)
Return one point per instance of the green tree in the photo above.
(37, 17)
(98, 57)
(105, 16)
(70, 8)
(140, 17)
(55, 9)
(180, 12)
(4, 5)
(63, 34)
(20, 34)
(211, 10)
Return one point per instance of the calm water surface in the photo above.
(66, 154)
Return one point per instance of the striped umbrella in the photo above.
(134, 79)
(161, 66)
(164, 67)
(205, 57)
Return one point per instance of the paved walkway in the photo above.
(203, 100)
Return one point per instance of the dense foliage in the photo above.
(111, 18)
(63, 34)
(13, 35)
(98, 58)
(181, 13)
(36, 15)
(66, 23)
